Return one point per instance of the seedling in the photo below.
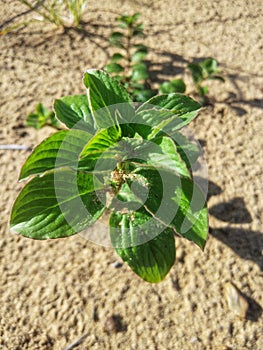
(42, 117)
(130, 164)
(128, 63)
(62, 13)
(201, 72)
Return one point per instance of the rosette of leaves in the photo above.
(132, 164)
(201, 72)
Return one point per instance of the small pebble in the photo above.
(113, 324)
(236, 302)
(116, 264)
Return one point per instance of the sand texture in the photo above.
(54, 292)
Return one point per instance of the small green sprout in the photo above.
(201, 72)
(128, 63)
(42, 117)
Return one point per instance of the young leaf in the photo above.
(176, 85)
(141, 48)
(74, 111)
(139, 72)
(59, 150)
(36, 121)
(137, 32)
(138, 56)
(113, 68)
(103, 92)
(98, 149)
(41, 118)
(116, 36)
(196, 71)
(59, 204)
(209, 65)
(161, 153)
(116, 57)
(151, 260)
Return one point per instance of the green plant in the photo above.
(201, 72)
(42, 117)
(62, 13)
(131, 164)
(128, 64)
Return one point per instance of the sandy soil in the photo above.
(54, 292)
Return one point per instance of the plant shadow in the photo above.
(233, 211)
(254, 311)
(245, 243)
(174, 66)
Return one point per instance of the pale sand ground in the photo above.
(54, 292)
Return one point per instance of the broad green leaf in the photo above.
(176, 103)
(58, 204)
(177, 202)
(114, 68)
(106, 96)
(165, 113)
(59, 150)
(191, 221)
(188, 151)
(98, 150)
(151, 260)
(74, 111)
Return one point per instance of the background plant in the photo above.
(128, 64)
(201, 72)
(130, 163)
(62, 13)
(42, 117)
(129, 67)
